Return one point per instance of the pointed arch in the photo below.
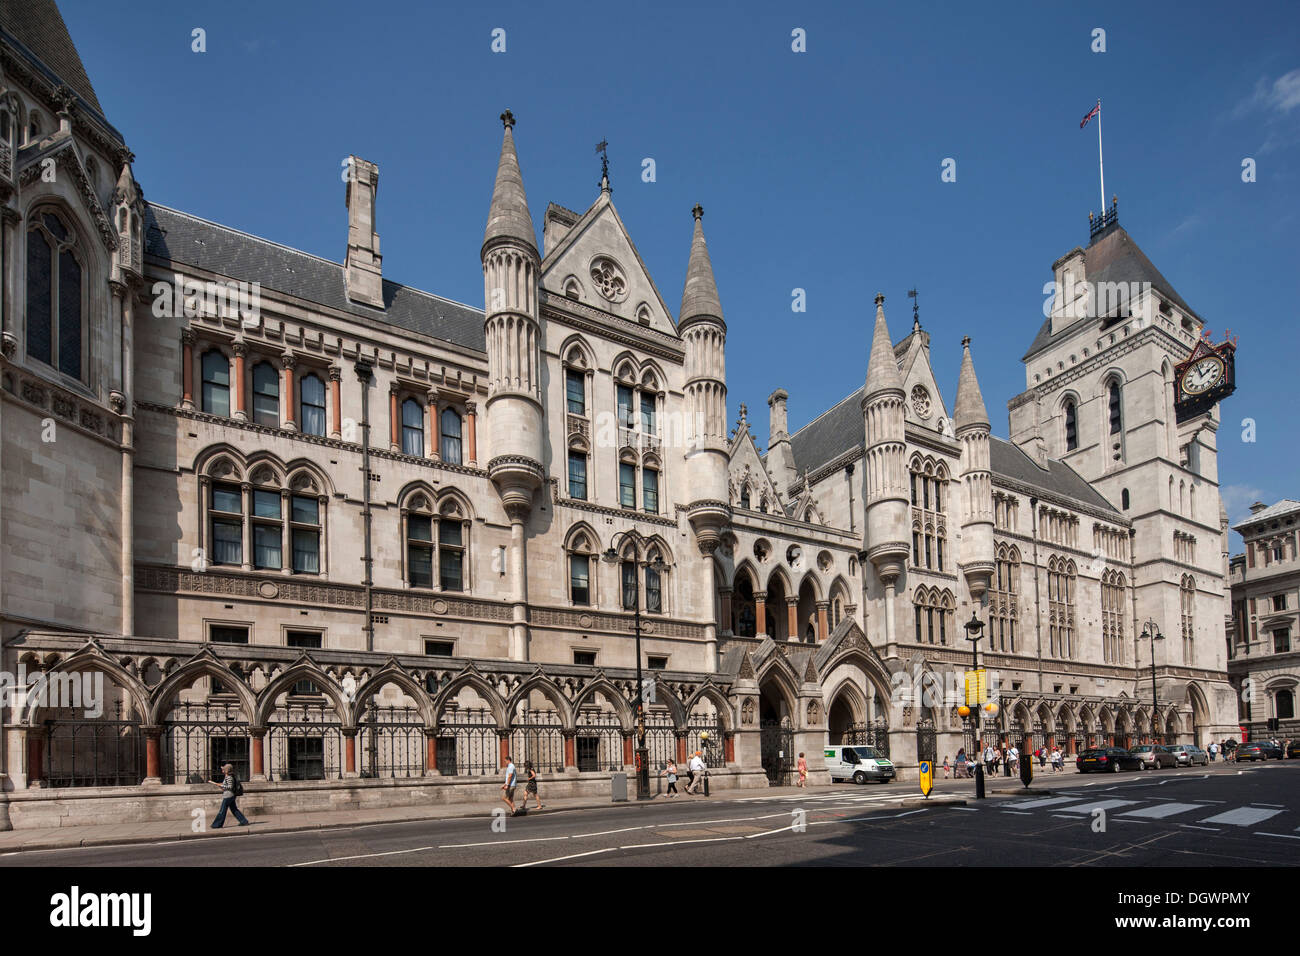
(577, 353)
(203, 664)
(746, 568)
(602, 684)
(392, 673)
(411, 489)
(476, 682)
(711, 692)
(578, 530)
(300, 468)
(90, 657)
(302, 669)
(549, 689)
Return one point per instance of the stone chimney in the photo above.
(363, 267)
(1257, 507)
(780, 456)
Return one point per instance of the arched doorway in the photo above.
(840, 719)
(742, 606)
(778, 616)
(776, 731)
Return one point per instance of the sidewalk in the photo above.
(156, 831)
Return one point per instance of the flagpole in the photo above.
(1101, 166)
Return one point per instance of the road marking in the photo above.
(1285, 836)
(1243, 816)
(1046, 802)
(571, 856)
(1098, 805)
(1280, 806)
(1163, 810)
(361, 856)
(1192, 826)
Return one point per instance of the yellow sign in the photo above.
(927, 777)
(977, 691)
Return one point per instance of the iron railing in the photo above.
(199, 738)
(86, 752)
(391, 742)
(468, 742)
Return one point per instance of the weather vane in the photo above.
(602, 148)
(916, 306)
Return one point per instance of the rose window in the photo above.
(609, 279)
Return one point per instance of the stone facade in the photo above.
(1262, 629)
(334, 528)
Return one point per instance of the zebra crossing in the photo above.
(846, 796)
(1200, 815)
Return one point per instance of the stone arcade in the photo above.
(363, 541)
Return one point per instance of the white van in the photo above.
(857, 763)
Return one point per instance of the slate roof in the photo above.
(180, 237)
(1284, 507)
(1008, 461)
(840, 428)
(1113, 256)
(38, 26)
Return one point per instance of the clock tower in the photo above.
(1123, 386)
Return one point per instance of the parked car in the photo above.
(1293, 750)
(1259, 750)
(1154, 756)
(1189, 755)
(857, 763)
(1108, 759)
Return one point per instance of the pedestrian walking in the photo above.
(1058, 761)
(697, 770)
(1212, 750)
(231, 791)
(1041, 754)
(670, 772)
(508, 788)
(530, 786)
(945, 766)
(961, 763)
(1013, 759)
(802, 767)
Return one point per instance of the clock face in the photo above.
(1203, 376)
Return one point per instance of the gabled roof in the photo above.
(1113, 256)
(1008, 461)
(829, 435)
(180, 237)
(38, 26)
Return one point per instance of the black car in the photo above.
(1108, 760)
(1293, 750)
(1154, 756)
(1259, 750)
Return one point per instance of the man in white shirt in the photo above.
(508, 788)
(1013, 757)
(697, 767)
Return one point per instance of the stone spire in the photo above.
(882, 367)
(700, 296)
(970, 403)
(508, 217)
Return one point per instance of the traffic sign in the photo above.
(927, 777)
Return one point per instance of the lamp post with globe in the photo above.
(971, 711)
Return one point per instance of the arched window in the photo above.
(214, 395)
(56, 294)
(1187, 602)
(1123, 499)
(266, 395)
(1113, 586)
(412, 428)
(312, 391)
(744, 497)
(451, 547)
(34, 128)
(305, 528)
(268, 523)
(578, 473)
(580, 556)
(1002, 601)
(226, 523)
(1116, 407)
(419, 543)
(627, 579)
(436, 541)
(654, 596)
(449, 446)
(1071, 425)
(575, 391)
(650, 490)
(1284, 705)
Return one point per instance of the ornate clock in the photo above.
(1206, 377)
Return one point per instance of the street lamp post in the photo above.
(611, 556)
(1152, 630)
(974, 631)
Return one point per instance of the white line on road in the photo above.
(1192, 826)
(1242, 816)
(361, 856)
(1284, 836)
(571, 856)
(1162, 811)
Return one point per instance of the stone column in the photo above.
(35, 756)
(257, 768)
(187, 369)
(681, 748)
(287, 362)
(430, 753)
(628, 754)
(729, 747)
(760, 614)
(724, 602)
(822, 631)
(246, 536)
(432, 432)
(286, 535)
(9, 282)
(350, 752)
(152, 756)
(471, 434)
(505, 748)
(394, 422)
(518, 514)
(792, 618)
(570, 752)
(241, 364)
(336, 411)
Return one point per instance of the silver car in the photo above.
(1189, 755)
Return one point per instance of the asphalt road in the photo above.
(1227, 816)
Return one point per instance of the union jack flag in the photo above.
(1091, 113)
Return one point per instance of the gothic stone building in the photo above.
(364, 541)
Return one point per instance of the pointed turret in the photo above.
(884, 470)
(704, 335)
(700, 296)
(970, 408)
(882, 366)
(514, 413)
(975, 555)
(508, 216)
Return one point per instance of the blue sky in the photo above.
(817, 170)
